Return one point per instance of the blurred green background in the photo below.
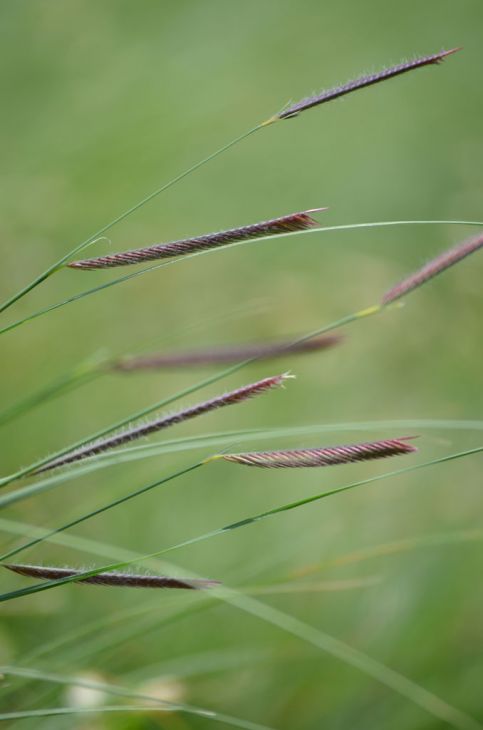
(103, 102)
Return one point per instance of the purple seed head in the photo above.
(433, 268)
(129, 580)
(285, 224)
(158, 424)
(225, 354)
(327, 456)
(294, 109)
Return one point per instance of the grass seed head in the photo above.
(325, 96)
(285, 224)
(128, 580)
(327, 456)
(434, 267)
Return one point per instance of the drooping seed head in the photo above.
(369, 80)
(433, 268)
(285, 224)
(225, 355)
(128, 580)
(327, 456)
(145, 429)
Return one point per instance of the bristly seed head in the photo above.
(129, 580)
(327, 456)
(285, 224)
(120, 439)
(294, 109)
(227, 354)
(434, 267)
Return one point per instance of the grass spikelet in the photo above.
(126, 580)
(145, 429)
(295, 109)
(225, 354)
(434, 267)
(327, 456)
(285, 224)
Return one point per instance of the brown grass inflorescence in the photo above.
(225, 354)
(369, 80)
(285, 224)
(145, 429)
(434, 267)
(327, 456)
(129, 580)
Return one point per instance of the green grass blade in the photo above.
(338, 649)
(106, 507)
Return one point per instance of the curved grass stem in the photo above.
(53, 268)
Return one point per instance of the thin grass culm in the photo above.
(294, 110)
(285, 224)
(232, 397)
(434, 267)
(224, 355)
(327, 456)
(116, 579)
(58, 265)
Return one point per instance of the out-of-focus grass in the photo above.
(101, 103)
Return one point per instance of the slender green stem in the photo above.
(315, 498)
(100, 510)
(59, 264)
(153, 267)
(181, 394)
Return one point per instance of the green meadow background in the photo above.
(102, 102)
